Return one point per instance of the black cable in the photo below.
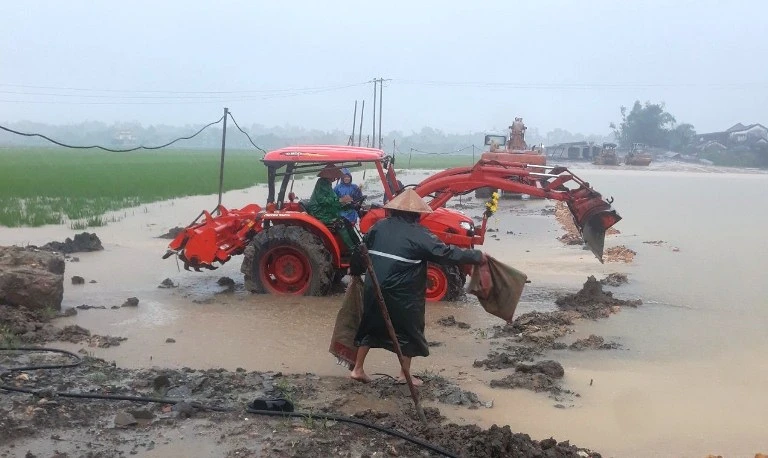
(355, 421)
(110, 149)
(246, 133)
(269, 413)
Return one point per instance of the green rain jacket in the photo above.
(324, 203)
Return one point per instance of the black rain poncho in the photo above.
(399, 251)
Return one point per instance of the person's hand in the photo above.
(346, 199)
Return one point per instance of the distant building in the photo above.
(739, 138)
(124, 137)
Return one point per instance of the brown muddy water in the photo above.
(691, 379)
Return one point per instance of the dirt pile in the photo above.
(31, 278)
(619, 254)
(593, 342)
(534, 334)
(615, 279)
(450, 321)
(125, 428)
(592, 302)
(82, 242)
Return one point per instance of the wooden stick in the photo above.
(391, 330)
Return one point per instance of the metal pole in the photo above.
(221, 166)
(354, 120)
(373, 135)
(391, 330)
(360, 135)
(473, 153)
(381, 103)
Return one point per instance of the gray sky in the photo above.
(567, 64)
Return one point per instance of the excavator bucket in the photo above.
(593, 216)
(594, 229)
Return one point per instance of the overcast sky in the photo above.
(457, 66)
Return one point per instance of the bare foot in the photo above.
(401, 380)
(359, 376)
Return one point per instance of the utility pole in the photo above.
(381, 103)
(360, 134)
(373, 134)
(354, 120)
(221, 166)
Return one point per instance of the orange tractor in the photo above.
(288, 251)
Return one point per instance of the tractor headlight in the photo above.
(466, 225)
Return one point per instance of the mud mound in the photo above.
(592, 302)
(615, 279)
(449, 321)
(510, 357)
(594, 342)
(81, 243)
(30, 278)
(619, 254)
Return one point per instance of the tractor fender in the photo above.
(313, 225)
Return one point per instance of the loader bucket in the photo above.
(594, 229)
(593, 216)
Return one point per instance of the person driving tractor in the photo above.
(326, 206)
(347, 188)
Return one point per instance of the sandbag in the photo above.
(498, 287)
(347, 321)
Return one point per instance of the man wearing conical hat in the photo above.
(400, 249)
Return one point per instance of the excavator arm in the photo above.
(592, 214)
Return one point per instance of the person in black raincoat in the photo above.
(399, 249)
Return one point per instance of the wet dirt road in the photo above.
(689, 382)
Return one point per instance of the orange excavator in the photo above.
(288, 251)
(511, 148)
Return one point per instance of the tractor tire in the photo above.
(484, 193)
(287, 260)
(444, 283)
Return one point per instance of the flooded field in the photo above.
(690, 377)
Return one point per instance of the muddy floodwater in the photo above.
(691, 377)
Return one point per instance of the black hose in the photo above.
(355, 421)
(118, 397)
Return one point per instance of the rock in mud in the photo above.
(450, 320)
(592, 302)
(615, 279)
(593, 342)
(548, 367)
(226, 281)
(88, 307)
(123, 419)
(167, 283)
(131, 302)
(172, 233)
(184, 409)
(81, 243)
(78, 280)
(31, 279)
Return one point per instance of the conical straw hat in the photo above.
(408, 201)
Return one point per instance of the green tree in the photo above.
(646, 123)
(681, 137)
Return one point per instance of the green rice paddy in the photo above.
(41, 186)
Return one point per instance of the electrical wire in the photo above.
(246, 133)
(117, 397)
(135, 91)
(111, 149)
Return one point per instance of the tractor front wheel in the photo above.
(444, 283)
(287, 260)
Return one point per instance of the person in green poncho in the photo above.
(326, 206)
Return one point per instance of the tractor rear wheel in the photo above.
(444, 283)
(287, 260)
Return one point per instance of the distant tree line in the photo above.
(652, 125)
